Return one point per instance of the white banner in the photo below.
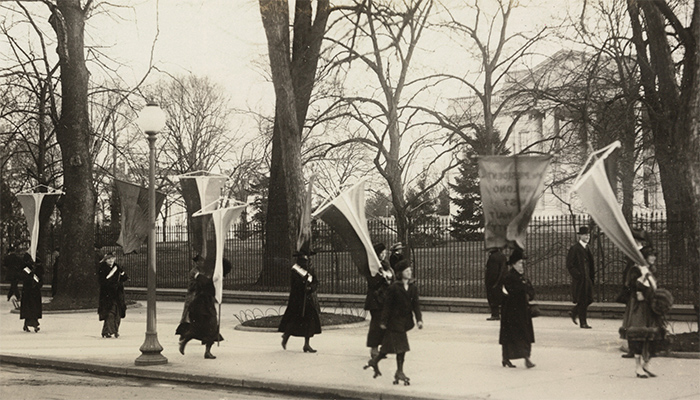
(596, 195)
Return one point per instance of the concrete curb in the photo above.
(270, 386)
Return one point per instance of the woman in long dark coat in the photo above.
(376, 287)
(191, 291)
(30, 309)
(516, 335)
(301, 318)
(13, 263)
(112, 305)
(203, 323)
(401, 303)
(643, 329)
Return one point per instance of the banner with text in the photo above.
(510, 187)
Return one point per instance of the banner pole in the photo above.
(218, 327)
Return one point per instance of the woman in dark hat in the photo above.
(189, 296)
(202, 323)
(396, 254)
(30, 309)
(641, 326)
(376, 287)
(517, 334)
(301, 318)
(112, 304)
(401, 303)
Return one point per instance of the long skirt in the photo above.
(375, 335)
(516, 349)
(112, 322)
(33, 322)
(394, 342)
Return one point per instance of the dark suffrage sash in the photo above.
(510, 188)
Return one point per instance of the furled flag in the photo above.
(199, 189)
(222, 217)
(304, 237)
(346, 215)
(510, 188)
(37, 206)
(597, 196)
(134, 221)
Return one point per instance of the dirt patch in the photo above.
(327, 319)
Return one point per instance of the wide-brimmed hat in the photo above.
(397, 246)
(379, 247)
(648, 251)
(517, 255)
(400, 266)
(583, 230)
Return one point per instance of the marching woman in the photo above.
(401, 303)
(301, 318)
(376, 288)
(203, 324)
(112, 304)
(516, 335)
(643, 324)
(32, 280)
(191, 290)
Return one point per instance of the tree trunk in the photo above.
(693, 118)
(78, 281)
(293, 80)
(674, 111)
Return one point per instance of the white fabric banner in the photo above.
(346, 215)
(31, 205)
(596, 195)
(222, 218)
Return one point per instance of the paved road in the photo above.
(19, 383)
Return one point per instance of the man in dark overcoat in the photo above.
(496, 269)
(579, 262)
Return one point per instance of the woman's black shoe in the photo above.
(529, 363)
(26, 329)
(106, 335)
(507, 363)
(308, 349)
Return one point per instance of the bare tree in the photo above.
(387, 117)
(668, 53)
(500, 52)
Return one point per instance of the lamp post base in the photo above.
(150, 351)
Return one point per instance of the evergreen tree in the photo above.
(468, 222)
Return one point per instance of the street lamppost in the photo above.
(151, 120)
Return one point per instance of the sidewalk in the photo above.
(455, 356)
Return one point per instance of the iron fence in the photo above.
(443, 266)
